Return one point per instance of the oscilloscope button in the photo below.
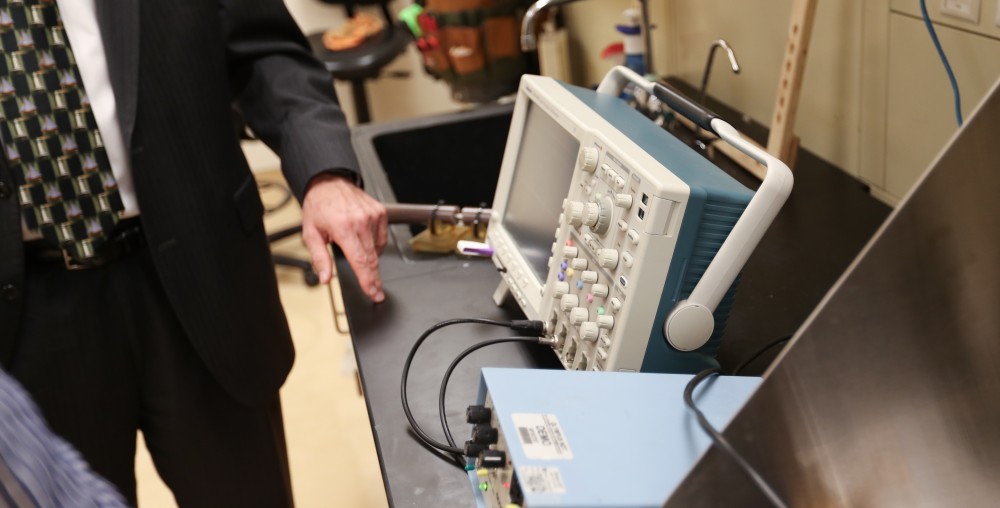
(628, 259)
(616, 304)
(602, 354)
(633, 236)
(622, 225)
(620, 183)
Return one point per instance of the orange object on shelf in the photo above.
(352, 33)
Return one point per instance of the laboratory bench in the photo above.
(456, 158)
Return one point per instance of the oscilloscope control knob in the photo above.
(578, 315)
(589, 331)
(608, 258)
(561, 288)
(587, 159)
(606, 322)
(588, 277)
(623, 201)
(570, 252)
(598, 215)
(574, 211)
(599, 290)
(568, 302)
(591, 214)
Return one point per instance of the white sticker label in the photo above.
(541, 480)
(541, 436)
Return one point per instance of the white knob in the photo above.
(588, 277)
(587, 159)
(611, 175)
(623, 201)
(616, 304)
(620, 183)
(599, 290)
(628, 259)
(561, 289)
(608, 258)
(589, 331)
(622, 225)
(591, 212)
(606, 322)
(579, 263)
(574, 213)
(569, 252)
(602, 354)
(633, 236)
(578, 315)
(567, 302)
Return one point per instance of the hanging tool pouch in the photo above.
(474, 46)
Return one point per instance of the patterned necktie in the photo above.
(66, 188)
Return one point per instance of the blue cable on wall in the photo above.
(944, 60)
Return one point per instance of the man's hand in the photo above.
(336, 210)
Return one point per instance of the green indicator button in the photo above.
(483, 487)
(600, 311)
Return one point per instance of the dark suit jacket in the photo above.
(176, 66)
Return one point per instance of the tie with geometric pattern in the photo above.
(50, 138)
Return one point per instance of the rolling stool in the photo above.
(365, 61)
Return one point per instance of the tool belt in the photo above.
(474, 45)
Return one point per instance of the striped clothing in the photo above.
(37, 468)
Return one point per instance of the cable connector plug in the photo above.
(528, 328)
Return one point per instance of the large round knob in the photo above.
(579, 263)
(598, 215)
(588, 277)
(578, 315)
(591, 214)
(574, 211)
(570, 252)
(589, 331)
(608, 258)
(567, 302)
(586, 160)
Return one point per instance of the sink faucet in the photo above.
(528, 42)
(721, 43)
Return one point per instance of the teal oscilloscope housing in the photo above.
(624, 240)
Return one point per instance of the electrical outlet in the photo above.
(961, 9)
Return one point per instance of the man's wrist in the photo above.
(334, 174)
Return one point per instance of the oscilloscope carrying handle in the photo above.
(690, 323)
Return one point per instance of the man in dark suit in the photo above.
(173, 325)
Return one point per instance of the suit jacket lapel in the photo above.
(119, 23)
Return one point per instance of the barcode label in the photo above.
(541, 480)
(541, 436)
(526, 436)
